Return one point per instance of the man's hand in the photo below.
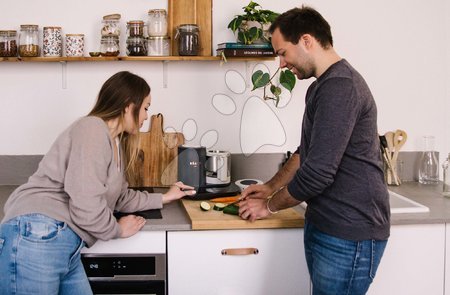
(257, 191)
(253, 209)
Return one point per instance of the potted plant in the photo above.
(251, 27)
(261, 79)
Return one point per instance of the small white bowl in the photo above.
(244, 183)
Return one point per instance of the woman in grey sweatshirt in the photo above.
(69, 201)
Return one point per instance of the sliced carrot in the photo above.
(226, 199)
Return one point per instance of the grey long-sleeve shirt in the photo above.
(340, 175)
(78, 182)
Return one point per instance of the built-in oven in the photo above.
(136, 265)
(126, 273)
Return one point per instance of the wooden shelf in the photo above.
(130, 58)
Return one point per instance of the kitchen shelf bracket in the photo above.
(165, 74)
(63, 74)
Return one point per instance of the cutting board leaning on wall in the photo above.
(157, 160)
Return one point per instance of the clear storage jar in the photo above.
(8, 43)
(111, 25)
(188, 39)
(52, 42)
(29, 41)
(135, 28)
(446, 177)
(159, 46)
(429, 163)
(157, 22)
(109, 46)
(136, 46)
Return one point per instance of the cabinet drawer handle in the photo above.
(240, 251)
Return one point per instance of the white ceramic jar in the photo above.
(74, 45)
(52, 42)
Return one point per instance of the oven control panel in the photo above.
(108, 265)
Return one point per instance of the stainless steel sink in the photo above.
(401, 204)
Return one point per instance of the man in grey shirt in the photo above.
(337, 169)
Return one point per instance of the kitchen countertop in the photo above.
(175, 217)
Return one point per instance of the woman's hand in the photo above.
(130, 225)
(177, 191)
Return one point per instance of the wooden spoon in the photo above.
(399, 140)
(390, 142)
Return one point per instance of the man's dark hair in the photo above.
(305, 20)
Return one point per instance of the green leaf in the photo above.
(275, 90)
(242, 37)
(260, 79)
(254, 34)
(235, 23)
(287, 79)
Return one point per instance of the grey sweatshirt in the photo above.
(340, 174)
(78, 182)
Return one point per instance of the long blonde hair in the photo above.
(117, 93)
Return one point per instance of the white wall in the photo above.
(400, 47)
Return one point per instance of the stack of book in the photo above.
(230, 49)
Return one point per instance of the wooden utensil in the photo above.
(157, 162)
(399, 140)
(390, 142)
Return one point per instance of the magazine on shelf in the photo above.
(234, 45)
(244, 52)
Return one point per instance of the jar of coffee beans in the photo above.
(188, 39)
(8, 43)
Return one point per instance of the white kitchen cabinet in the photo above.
(143, 242)
(196, 264)
(413, 262)
(447, 259)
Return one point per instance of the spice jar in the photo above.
(29, 41)
(52, 41)
(136, 46)
(74, 45)
(109, 46)
(157, 22)
(188, 39)
(159, 46)
(135, 28)
(111, 25)
(8, 43)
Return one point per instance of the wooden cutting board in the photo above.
(157, 161)
(213, 219)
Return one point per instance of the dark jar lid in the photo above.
(188, 28)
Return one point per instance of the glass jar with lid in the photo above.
(188, 39)
(29, 41)
(157, 22)
(136, 46)
(111, 25)
(135, 28)
(159, 46)
(8, 43)
(109, 46)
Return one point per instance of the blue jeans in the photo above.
(338, 266)
(40, 255)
